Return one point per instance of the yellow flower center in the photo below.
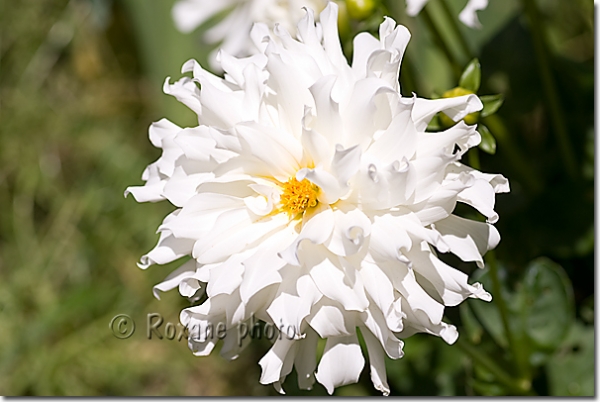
(298, 196)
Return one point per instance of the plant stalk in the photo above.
(549, 85)
(518, 386)
(454, 25)
(503, 309)
(439, 40)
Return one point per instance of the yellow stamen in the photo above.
(298, 196)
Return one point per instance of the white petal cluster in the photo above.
(233, 31)
(467, 16)
(356, 250)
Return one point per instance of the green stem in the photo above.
(520, 387)
(439, 40)
(550, 91)
(454, 25)
(503, 309)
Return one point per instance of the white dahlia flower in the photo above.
(467, 16)
(311, 197)
(233, 31)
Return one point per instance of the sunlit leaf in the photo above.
(488, 142)
(491, 104)
(571, 369)
(471, 77)
(548, 309)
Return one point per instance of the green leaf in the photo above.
(471, 77)
(488, 389)
(547, 304)
(491, 104)
(571, 369)
(488, 142)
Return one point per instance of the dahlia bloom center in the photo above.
(298, 196)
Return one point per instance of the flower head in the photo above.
(311, 197)
(234, 30)
(467, 16)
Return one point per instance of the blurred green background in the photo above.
(80, 82)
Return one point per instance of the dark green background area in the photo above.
(80, 82)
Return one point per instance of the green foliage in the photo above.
(541, 307)
(571, 370)
(471, 76)
(488, 142)
(541, 316)
(546, 297)
(491, 104)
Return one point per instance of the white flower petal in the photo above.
(376, 323)
(498, 182)
(147, 193)
(272, 363)
(306, 359)
(182, 187)
(389, 239)
(468, 15)
(189, 14)
(450, 284)
(188, 287)
(364, 45)
(480, 196)
(379, 287)
(263, 266)
(335, 281)
(445, 142)
(456, 108)
(341, 363)
(328, 121)
(175, 278)
(168, 249)
(377, 363)
(280, 157)
(331, 39)
(468, 239)
(331, 189)
(385, 190)
(351, 228)
(316, 147)
(317, 229)
(413, 7)
(226, 277)
(363, 115)
(329, 320)
(185, 91)
(291, 94)
(293, 302)
(398, 141)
